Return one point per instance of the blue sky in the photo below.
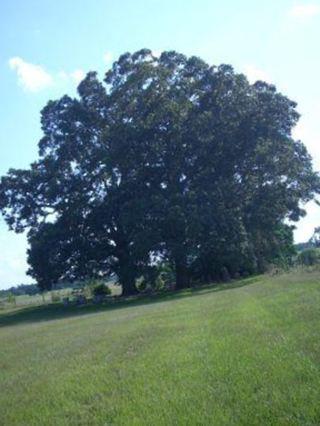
(47, 46)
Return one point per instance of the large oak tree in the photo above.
(167, 158)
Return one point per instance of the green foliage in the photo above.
(45, 254)
(315, 240)
(55, 297)
(21, 289)
(166, 158)
(159, 277)
(309, 257)
(11, 298)
(85, 291)
(166, 276)
(101, 289)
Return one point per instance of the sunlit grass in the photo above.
(246, 353)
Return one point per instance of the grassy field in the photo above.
(246, 353)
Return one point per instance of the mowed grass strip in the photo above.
(240, 354)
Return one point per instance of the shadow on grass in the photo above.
(55, 311)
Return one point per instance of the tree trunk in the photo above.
(126, 269)
(129, 286)
(182, 274)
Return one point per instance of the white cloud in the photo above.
(308, 131)
(253, 74)
(304, 11)
(31, 77)
(13, 263)
(306, 225)
(108, 57)
(300, 131)
(78, 75)
(62, 75)
(157, 53)
(75, 76)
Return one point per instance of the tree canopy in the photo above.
(167, 159)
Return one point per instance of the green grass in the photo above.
(241, 354)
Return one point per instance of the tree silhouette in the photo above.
(168, 158)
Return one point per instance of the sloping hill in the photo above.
(246, 353)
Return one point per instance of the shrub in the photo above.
(55, 297)
(86, 291)
(309, 257)
(12, 299)
(101, 290)
(157, 278)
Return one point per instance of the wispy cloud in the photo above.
(107, 58)
(157, 53)
(78, 75)
(31, 77)
(34, 78)
(304, 11)
(254, 74)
